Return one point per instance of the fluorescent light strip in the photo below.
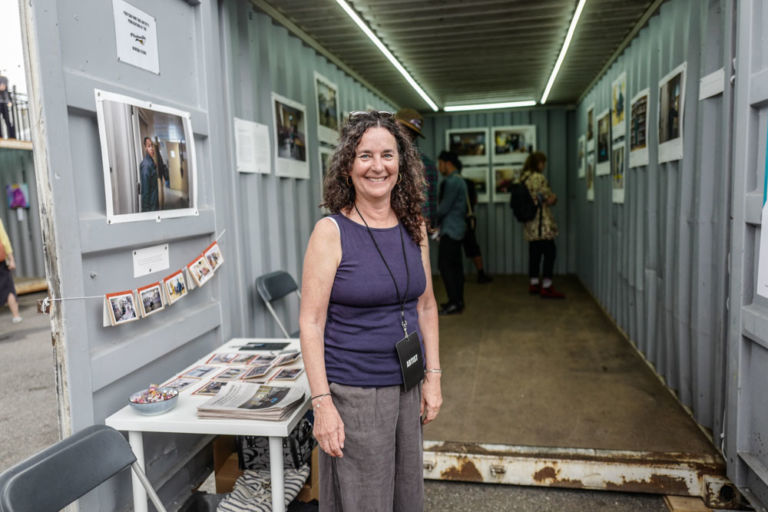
(563, 51)
(489, 106)
(360, 23)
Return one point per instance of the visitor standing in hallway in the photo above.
(451, 218)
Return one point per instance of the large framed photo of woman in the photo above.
(148, 159)
(290, 138)
(470, 144)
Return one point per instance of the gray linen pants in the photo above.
(381, 470)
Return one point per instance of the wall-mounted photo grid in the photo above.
(472, 147)
(511, 146)
(148, 159)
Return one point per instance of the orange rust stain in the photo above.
(467, 472)
(656, 483)
(547, 473)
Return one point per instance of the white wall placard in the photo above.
(252, 151)
(136, 37)
(150, 259)
(712, 84)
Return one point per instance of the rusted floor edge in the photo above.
(681, 474)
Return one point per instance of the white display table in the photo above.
(183, 420)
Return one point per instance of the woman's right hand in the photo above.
(328, 429)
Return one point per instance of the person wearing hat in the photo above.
(413, 121)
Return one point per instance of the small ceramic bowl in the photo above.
(139, 401)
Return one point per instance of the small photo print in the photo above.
(175, 286)
(288, 374)
(198, 372)
(255, 372)
(231, 374)
(181, 383)
(200, 271)
(122, 307)
(209, 388)
(151, 299)
(287, 357)
(222, 358)
(242, 359)
(264, 359)
(214, 256)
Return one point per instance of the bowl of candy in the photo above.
(154, 400)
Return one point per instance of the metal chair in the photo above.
(66, 471)
(274, 286)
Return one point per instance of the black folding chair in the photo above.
(66, 471)
(274, 286)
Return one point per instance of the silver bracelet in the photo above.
(434, 370)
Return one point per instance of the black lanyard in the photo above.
(407, 271)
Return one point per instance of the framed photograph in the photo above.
(671, 108)
(618, 106)
(638, 129)
(581, 154)
(617, 172)
(478, 176)
(148, 157)
(181, 383)
(503, 178)
(175, 286)
(471, 144)
(324, 154)
(231, 374)
(200, 270)
(213, 254)
(198, 372)
(590, 175)
(603, 167)
(210, 388)
(591, 128)
(151, 299)
(17, 195)
(512, 144)
(288, 374)
(290, 138)
(327, 94)
(122, 307)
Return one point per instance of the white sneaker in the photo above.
(17, 319)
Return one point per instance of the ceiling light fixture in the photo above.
(489, 106)
(563, 51)
(367, 31)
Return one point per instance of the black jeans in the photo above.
(536, 251)
(8, 122)
(451, 267)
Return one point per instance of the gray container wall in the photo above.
(18, 166)
(224, 62)
(658, 262)
(499, 234)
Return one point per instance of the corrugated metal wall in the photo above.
(499, 234)
(658, 262)
(17, 166)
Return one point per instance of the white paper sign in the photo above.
(712, 84)
(252, 147)
(136, 37)
(150, 259)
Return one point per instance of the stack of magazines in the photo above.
(244, 400)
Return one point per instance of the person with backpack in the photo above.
(541, 229)
(452, 218)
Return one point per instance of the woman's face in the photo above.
(542, 165)
(375, 168)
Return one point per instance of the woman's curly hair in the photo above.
(407, 195)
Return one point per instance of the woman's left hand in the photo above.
(431, 397)
(11, 262)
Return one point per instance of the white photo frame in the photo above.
(619, 106)
(581, 154)
(151, 299)
(618, 172)
(470, 144)
(324, 162)
(512, 144)
(671, 109)
(479, 176)
(200, 270)
(503, 178)
(603, 153)
(327, 102)
(638, 128)
(175, 287)
(121, 307)
(590, 176)
(124, 124)
(214, 256)
(289, 120)
(590, 133)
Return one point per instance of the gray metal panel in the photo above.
(747, 405)
(657, 263)
(499, 234)
(18, 166)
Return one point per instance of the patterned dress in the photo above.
(538, 186)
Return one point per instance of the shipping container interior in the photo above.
(659, 346)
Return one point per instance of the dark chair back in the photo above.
(274, 286)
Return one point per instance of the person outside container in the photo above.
(366, 290)
(542, 230)
(7, 264)
(413, 121)
(451, 217)
(6, 102)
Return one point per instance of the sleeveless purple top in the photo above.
(363, 321)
